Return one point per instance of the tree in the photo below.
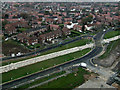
(83, 27)
(87, 19)
(24, 15)
(5, 16)
(47, 13)
(16, 5)
(119, 6)
(4, 23)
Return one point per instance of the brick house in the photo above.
(89, 27)
(77, 27)
(66, 23)
(36, 30)
(49, 21)
(36, 23)
(22, 37)
(66, 31)
(20, 24)
(54, 27)
(50, 36)
(68, 19)
(10, 30)
(32, 40)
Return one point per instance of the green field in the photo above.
(70, 81)
(11, 46)
(42, 80)
(67, 46)
(110, 47)
(75, 33)
(23, 71)
(22, 29)
(111, 34)
(63, 47)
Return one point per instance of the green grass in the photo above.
(14, 74)
(111, 34)
(37, 45)
(110, 47)
(42, 80)
(22, 29)
(12, 46)
(75, 33)
(92, 33)
(67, 46)
(70, 81)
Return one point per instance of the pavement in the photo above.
(95, 83)
(104, 73)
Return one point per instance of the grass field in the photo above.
(110, 47)
(70, 81)
(75, 33)
(22, 29)
(63, 47)
(11, 46)
(67, 46)
(42, 80)
(23, 71)
(111, 34)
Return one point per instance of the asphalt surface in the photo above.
(98, 48)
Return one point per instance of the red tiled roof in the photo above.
(54, 26)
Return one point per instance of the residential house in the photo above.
(66, 31)
(32, 40)
(9, 30)
(22, 37)
(77, 27)
(49, 21)
(89, 27)
(68, 19)
(54, 27)
(66, 23)
(50, 36)
(36, 30)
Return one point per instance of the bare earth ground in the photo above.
(90, 76)
(112, 60)
(116, 85)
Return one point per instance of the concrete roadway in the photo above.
(86, 58)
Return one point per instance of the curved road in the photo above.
(98, 48)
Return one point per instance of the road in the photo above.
(98, 48)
